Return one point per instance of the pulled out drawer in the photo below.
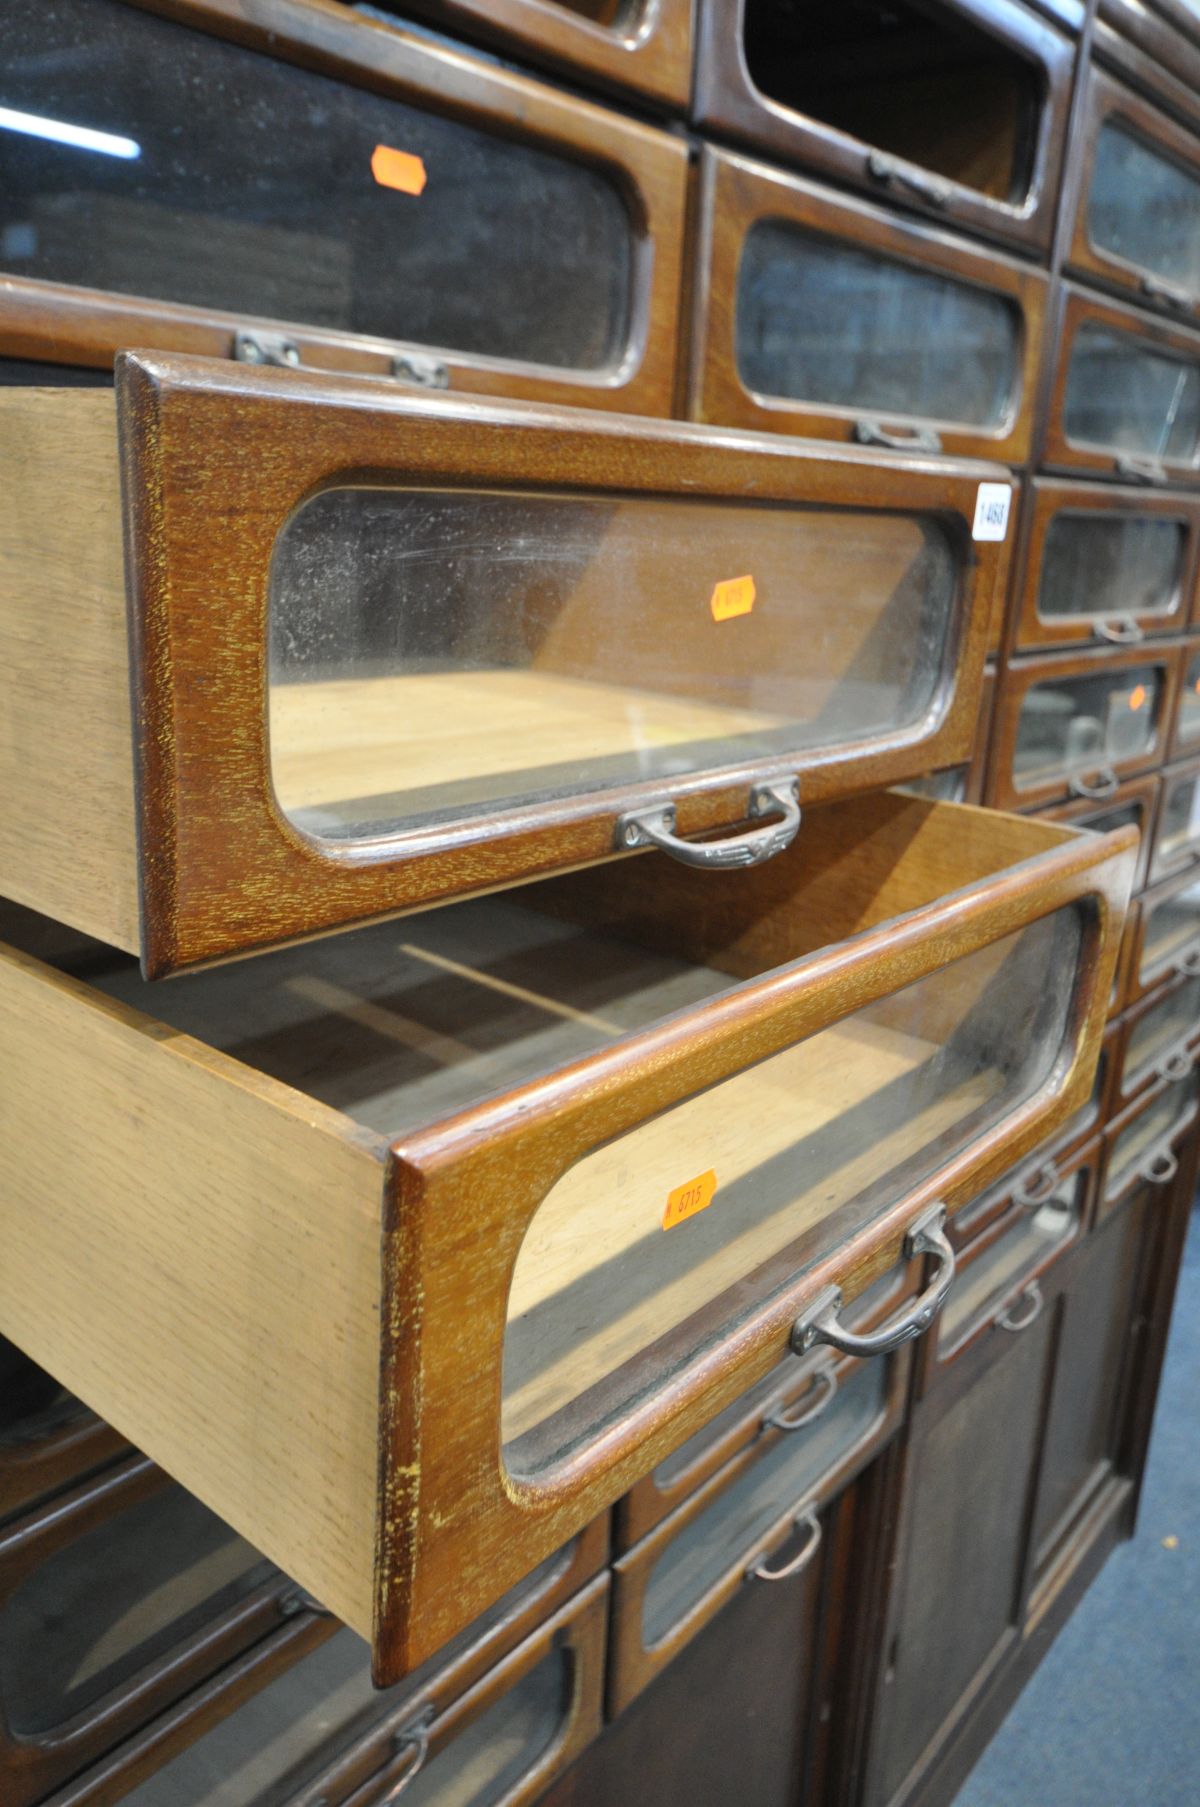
(610, 1139)
(757, 1520)
(386, 650)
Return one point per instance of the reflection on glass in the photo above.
(806, 1148)
(916, 78)
(1125, 397)
(1079, 724)
(1189, 703)
(259, 189)
(1161, 1031)
(1170, 929)
(828, 324)
(1100, 565)
(115, 1600)
(435, 653)
(1144, 208)
(1150, 1131)
(724, 1534)
(1178, 835)
(986, 1280)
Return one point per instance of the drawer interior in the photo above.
(922, 81)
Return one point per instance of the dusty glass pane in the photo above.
(1179, 830)
(1098, 565)
(984, 1282)
(797, 1154)
(115, 1601)
(1149, 1132)
(1144, 208)
(725, 1533)
(1170, 929)
(1189, 702)
(1162, 1031)
(1078, 724)
(435, 653)
(917, 78)
(1125, 397)
(226, 179)
(831, 325)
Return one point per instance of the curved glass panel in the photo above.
(435, 653)
(831, 325)
(1144, 208)
(1077, 724)
(1124, 396)
(1099, 565)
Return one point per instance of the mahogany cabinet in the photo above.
(817, 314)
(293, 182)
(419, 648)
(957, 108)
(520, 1171)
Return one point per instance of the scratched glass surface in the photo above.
(916, 78)
(806, 1149)
(123, 1596)
(781, 1481)
(1144, 208)
(437, 653)
(140, 156)
(1100, 566)
(1075, 725)
(1124, 396)
(985, 1283)
(830, 325)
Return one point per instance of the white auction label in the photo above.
(992, 502)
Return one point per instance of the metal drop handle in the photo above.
(1034, 1300)
(805, 1520)
(891, 172)
(1175, 1066)
(1160, 1169)
(814, 1403)
(655, 827)
(904, 439)
(1189, 966)
(1155, 289)
(411, 1740)
(821, 1324)
(1038, 1187)
(1121, 631)
(1141, 470)
(1098, 789)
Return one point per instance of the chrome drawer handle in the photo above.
(814, 1404)
(1189, 966)
(1160, 1169)
(1155, 289)
(1099, 788)
(890, 172)
(1123, 631)
(410, 1740)
(819, 1324)
(655, 827)
(1175, 1066)
(806, 1520)
(1034, 1305)
(1038, 1187)
(907, 439)
(1141, 470)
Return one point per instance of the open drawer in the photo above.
(511, 1101)
(387, 649)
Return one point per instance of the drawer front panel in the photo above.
(820, 315)
(1177, 833)
(1134, 804)
(1168, 934)
(389, 212)
(378, 713)
(1141, 1144)
(1075, 726)
(1137, 226)
(1105, 566)
(1158, 1032)
(956, 109)
(1126, 398)
(1187, 710)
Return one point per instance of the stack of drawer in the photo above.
(524, 548)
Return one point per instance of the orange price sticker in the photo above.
(733, 597)
(397, 169)
(686, 1200)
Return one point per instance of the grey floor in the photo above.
(1112, 1716)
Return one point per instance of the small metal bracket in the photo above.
(417, 367)
(266, 348)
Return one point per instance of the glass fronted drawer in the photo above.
(955, 108)
(626, 1127)
(817, 314)
(1160, 1033)
(48, 1439)
(1126, 395)
(1167, 939)
(1153, 45)
(758, 1520)
(386, 650)
(1075, 725)
(1177, 831)
(115, 1601)
(1133, 804)
(320, 1736)
(1105, 565)
(1186, 736)
(640, 46)
(1141, 1146)
(308, 188)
